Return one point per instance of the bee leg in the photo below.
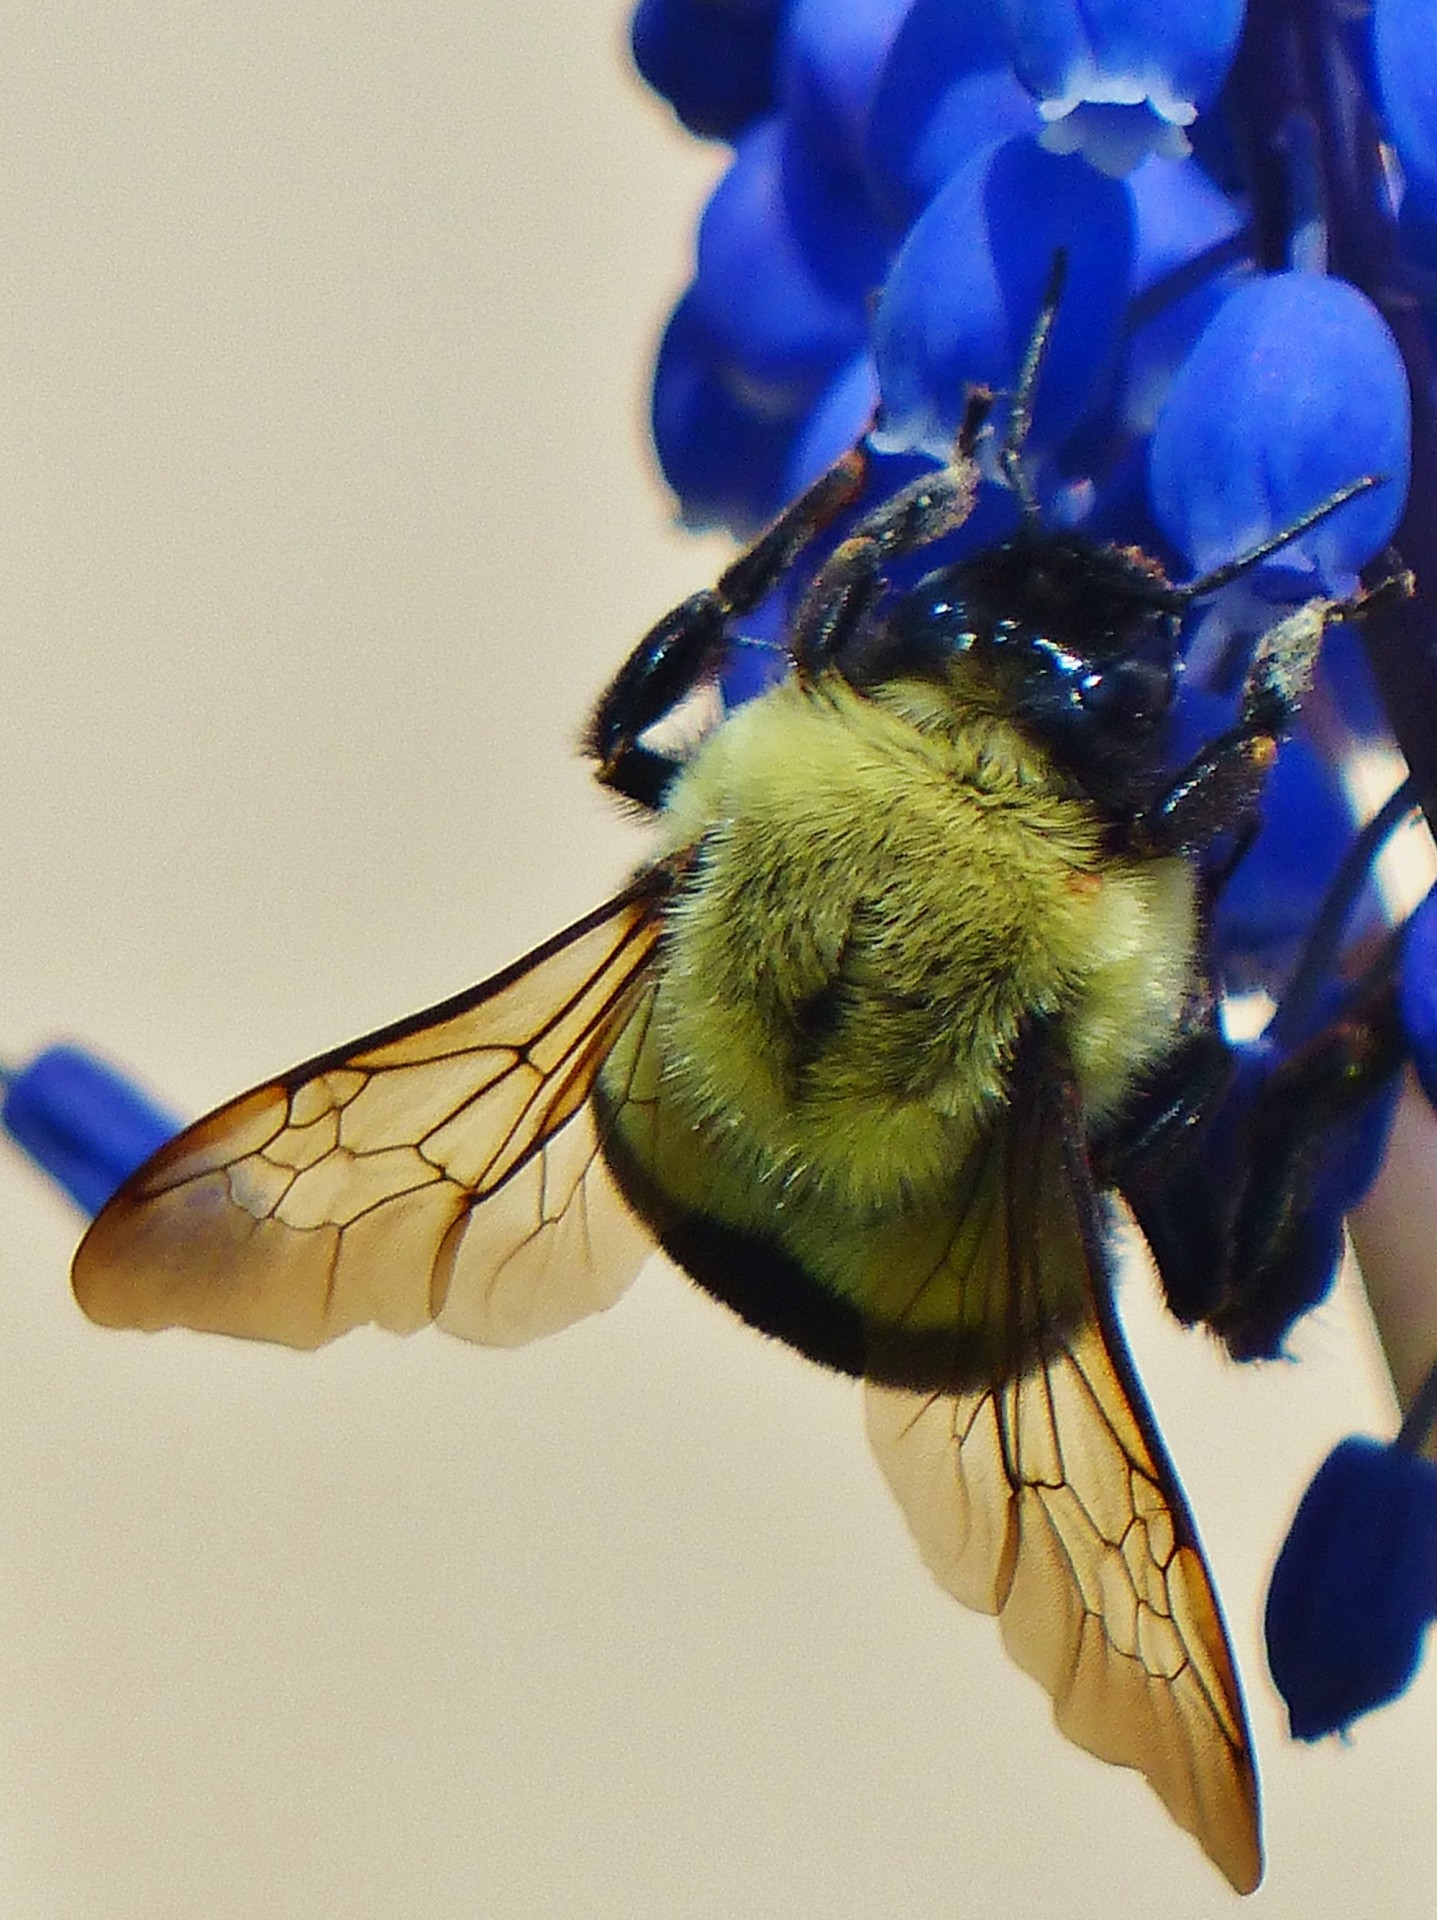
(1267, 1243)
(1167, 1116)
(850, 583)
(1162, 1162)
(1218, 791)
(1295, 1130)
(1223, 1167)
(686, 645)
(848, 586)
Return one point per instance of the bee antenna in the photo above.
(1207, 583)
(1020, 410)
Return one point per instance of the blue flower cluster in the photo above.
(1246, 196)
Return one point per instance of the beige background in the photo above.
(325, 512)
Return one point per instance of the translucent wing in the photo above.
(1046, 1497)
(447, 1168)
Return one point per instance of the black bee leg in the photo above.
(687, 645)
(1226, 1189)
(850, 583)
(1286, 1144)
(1230, 1228)
(1158, 1159)
(1218, 791)
(1283, 1145)
(1168, 1115)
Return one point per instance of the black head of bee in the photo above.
(1078, 641)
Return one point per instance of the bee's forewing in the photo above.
(447, 1168)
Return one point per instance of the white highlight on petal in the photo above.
(1086, 84)
(1115, 137)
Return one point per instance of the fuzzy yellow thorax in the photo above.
(888, 888)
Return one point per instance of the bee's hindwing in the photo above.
(1046, 1497)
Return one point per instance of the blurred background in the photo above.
(326, 511)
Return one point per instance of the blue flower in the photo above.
(1261, 421)
(713, 61)
(1355, 1586)
(953, 307)
(82, 1121)
(1248, 327)
(1117, 82)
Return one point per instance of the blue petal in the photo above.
(1404, 42)
(831, 56)
(1268, 906)
(723, 456)
(712, 63)
(789, 255)
(1354, 1587)
(1347, 671)
(841, 419)
(1123, 52)
(1182, 221)
(85, 1124)
(1295, 389)
(759, 655)
(946, 91)
(1355, 1149)
(1181, 215)
(1299, 1278)
(966, 288)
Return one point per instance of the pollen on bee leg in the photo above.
(1083, 883)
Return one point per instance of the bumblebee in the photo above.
(915, 982)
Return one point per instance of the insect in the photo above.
(915, 979)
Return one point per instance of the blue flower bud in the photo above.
(960, 299)
(1181, 215)
(83, 1122)
(1347, 672)
(1299, 1277)
(723, 456)
(1272, 899)
(1354, 1587)
(713, 63)
(789, 255)
(1182, 218)
(1294, 389)
(758, 656)
(1355, 1149)
(841, 418)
